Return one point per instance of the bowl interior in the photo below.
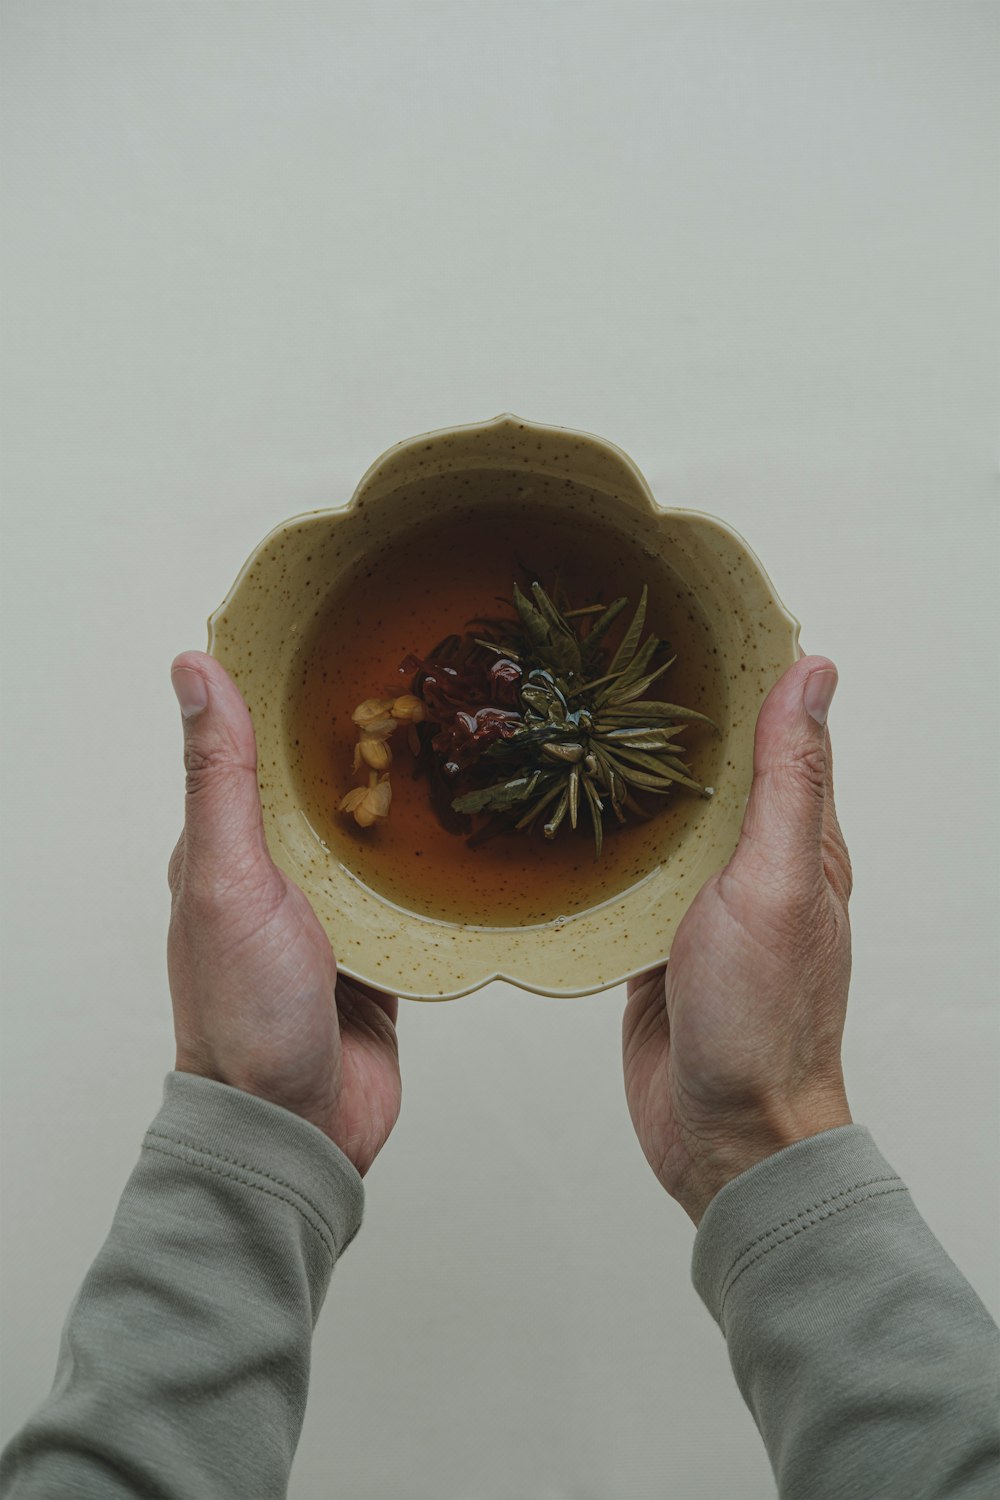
(331, 603)
(447, 551)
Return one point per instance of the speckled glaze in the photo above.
(747, 636)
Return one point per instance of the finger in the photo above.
(653, 976)
(840, 866)
(792, 776)
(223, 828)
(645, 1010)
(389, 1004)
(830, 811)
(366, 1012)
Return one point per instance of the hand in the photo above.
(257, 1001)
(732, 1049)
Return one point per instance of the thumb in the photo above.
(792, 777)
(223, 828)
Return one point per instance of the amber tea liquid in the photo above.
(432, 579)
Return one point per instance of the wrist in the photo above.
(287, 1092)
(713, 1160)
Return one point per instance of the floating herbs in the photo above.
(534, 719)
(376, 720)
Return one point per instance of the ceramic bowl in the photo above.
(306, 612)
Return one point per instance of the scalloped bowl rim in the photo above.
(656, 510)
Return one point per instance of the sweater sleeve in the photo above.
(184, 1362)
(871, 1367)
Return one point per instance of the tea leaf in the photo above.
(637, 666)
(542, 803)
(525, 742)
(542, 696)
(536, 697)
(650, 709)
(639, 738)
(574, 795)
(629, 713)
(653, 763)
(498, 798)
(630, 640)
(604, 772)
(599, 630)
(568, 752)
(609, 720)
(587, 609)
(533, 622)
(552, 825)
(564, 646)
(500, 650)
(563, 738)
(588, 687)
(654, 781)
(637, 689)
(619, 791)
(594, 803)
(666, 711)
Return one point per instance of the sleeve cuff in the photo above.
(764, 1209)
(233, 1134)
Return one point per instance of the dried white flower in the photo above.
(371, 711)
(369, 804)
(409, 708)
(375, 752)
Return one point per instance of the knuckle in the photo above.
(204, 902)
(203, 764)
(811, 766)
(203, 893)
(211, 895)
(798, 898)
(783, 894)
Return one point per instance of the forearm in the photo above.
(868, 1362)
(184, 1363)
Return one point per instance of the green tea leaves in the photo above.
(498, 798)
(630, 640)
(587, 736)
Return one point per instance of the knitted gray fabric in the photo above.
(871, 1367)
(865, 1357)
(184, 1365)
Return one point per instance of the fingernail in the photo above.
(191, 689)
(817, 695)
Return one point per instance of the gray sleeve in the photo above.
(870, 1365)
(184, 1363)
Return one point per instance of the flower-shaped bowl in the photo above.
(331, 603)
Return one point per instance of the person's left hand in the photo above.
(257, 1000)
(732, 1049)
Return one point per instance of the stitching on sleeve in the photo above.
(246, 1166)
(813, 1207)
(322, 1229)
(738, 1269)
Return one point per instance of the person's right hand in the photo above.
(258, 1002)
(732, 1050)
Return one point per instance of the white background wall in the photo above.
(250, 245)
